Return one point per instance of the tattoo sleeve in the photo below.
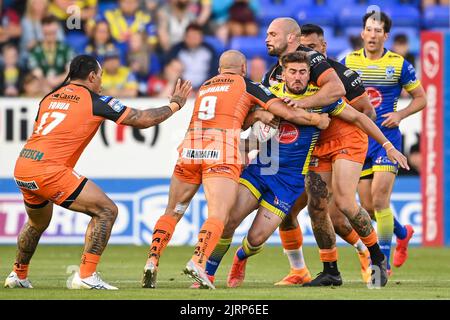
(146, 118)
(98, 233)
(27, 243)
(361, 222)
(318, 199)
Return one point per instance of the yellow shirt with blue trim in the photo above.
(123, 79)
(296, 142)
(383, 78)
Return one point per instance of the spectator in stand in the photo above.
(129, 19)
(242, 20)
(32, 87)
(10, 29)
(11, 73)
(401, 46)
(160, 86)
(117, 80)
(203, 10)
(49, 59)
(199, 58)
(31, 22)
(426, 3)
(355, 42)
(257, 69)
(173, 19)
(142, 60)
(59, 9)
(100, 41)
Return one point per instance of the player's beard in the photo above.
(277, 52)
(295, 91)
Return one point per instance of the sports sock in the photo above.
(329, 259)
(208, 237)
(385, 230)
(376, 254)
(247, 250)
(292, 241)
(88, 264)
(21, 270)
(399, 230)
(353, 239)
(217, 255)
(162, 233)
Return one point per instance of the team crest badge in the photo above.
(390, 71)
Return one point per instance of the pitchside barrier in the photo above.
(134, 168)
(435, 140)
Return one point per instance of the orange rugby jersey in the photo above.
(66, 122)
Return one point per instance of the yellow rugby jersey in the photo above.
(383, 78)
(296, 143)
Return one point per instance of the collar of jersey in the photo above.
(291, 95)
(382, 57)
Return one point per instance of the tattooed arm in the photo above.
(146, 118)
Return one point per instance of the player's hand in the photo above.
(392, 120)
(268, 118)
(324, 121)
(397, 157)
(293, 103)
(181, 92)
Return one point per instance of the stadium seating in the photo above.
(315, 14)
(336, 45)
(77, 41)
(404, 15)
(436, 17)
(250, 46)
(215, 43)
(351, 16)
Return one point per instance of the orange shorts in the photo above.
(208, 157)
(352, 147)
(58, 184)
(195, 173)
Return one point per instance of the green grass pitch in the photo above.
(426, 275)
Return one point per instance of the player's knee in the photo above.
(288, 223)
(380, 201)
(256, 239)
(106, 210)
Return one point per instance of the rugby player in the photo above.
(274, 192)
(344, 142)
(209, 154)
(384, 74)
(67, 119)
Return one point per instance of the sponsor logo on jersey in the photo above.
(116, 105)
(348, 73)
(200, 154)
(288, 133)
(30, 185)
(375, 96)
(390, 71)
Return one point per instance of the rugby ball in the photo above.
(263, 132)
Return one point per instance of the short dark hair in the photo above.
(49, 20)
(296, 56)
(387, 22)
(194, 26)
(310, 28)
(401, 38)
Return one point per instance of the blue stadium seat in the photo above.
(335, 45)
(215, 43)
(403, 15)
(249, 46)
(339, 4)
(411, 33)
(269, 11)
(353, 31)
(436, 17)
(322, 16)
(382, 3)
(328, 32)
(351, 16)
(77, 41)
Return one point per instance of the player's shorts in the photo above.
(352, 147)
(208, 157)
(277, 192)
(58, 184)
(377, 160)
